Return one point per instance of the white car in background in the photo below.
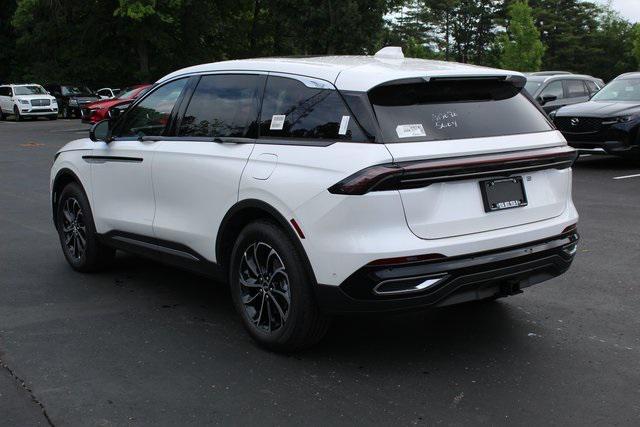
(27, 100)
(107, 93)
(325, 185)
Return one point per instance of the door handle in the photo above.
(229, 140)
(149, 138)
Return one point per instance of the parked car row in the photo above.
(33, 100)
(27, 100)
(609, 120)
(100, 110)
(555, 89)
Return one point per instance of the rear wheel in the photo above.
(272, 289)
(77, 232)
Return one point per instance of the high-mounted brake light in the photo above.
(405, 175)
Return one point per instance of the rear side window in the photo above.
(224, 106)
(575, 88)
(449, 109)
(290, 109)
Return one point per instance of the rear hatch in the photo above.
(478, 155)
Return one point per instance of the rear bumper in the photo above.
(460, 279)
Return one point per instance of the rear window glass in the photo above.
(290, 109)
(450, 109)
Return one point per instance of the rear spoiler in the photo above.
(517, 81)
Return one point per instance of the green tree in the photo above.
(636, 44)
(522, 49)
(7, 39)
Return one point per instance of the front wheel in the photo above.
(74, 221)
(272, 289)
(16, 114)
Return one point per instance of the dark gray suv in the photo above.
(558, 90)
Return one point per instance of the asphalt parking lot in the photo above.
(145, 344)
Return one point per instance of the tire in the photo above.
(65, 113)
(2, 115)
(16, 114)
(283, 325)
(74, 222)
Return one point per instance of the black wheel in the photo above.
(16, 114)
(2, 116)
(272, 289)
(66, 114)
(77, 232)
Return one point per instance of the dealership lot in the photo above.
(147, 344)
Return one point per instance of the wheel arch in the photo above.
(239, 216)
(63, 177)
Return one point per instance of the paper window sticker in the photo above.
(277, 122)
(410, 131)
(344, 124)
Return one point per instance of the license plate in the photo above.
(503, 193)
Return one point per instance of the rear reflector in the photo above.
(416, 174)
(297, 228)
(406, 259)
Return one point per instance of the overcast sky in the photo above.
(629, 9)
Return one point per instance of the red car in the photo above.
(96, 111)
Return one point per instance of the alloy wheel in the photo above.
(264, 287)
(74, 230)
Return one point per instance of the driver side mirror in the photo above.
(546, 99)
(101, 131)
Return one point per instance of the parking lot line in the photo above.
(637, 175)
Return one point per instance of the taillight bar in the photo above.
(416, 174)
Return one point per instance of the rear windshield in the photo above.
(454, 109)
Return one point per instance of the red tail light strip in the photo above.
(404, 175)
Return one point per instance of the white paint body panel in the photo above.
(196, 183)
(357, 73)
(123, 196)
(456, 208)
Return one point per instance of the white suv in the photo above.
(27, 100)
(325, 185)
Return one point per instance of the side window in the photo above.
(593, 88)
(575, 88)
(553, 89)
(292, 110)
(4, 91)
(224, 105)
(151, 116)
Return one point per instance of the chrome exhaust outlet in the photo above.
(409, 285)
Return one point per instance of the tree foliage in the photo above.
(521, 46)
(119, 42)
